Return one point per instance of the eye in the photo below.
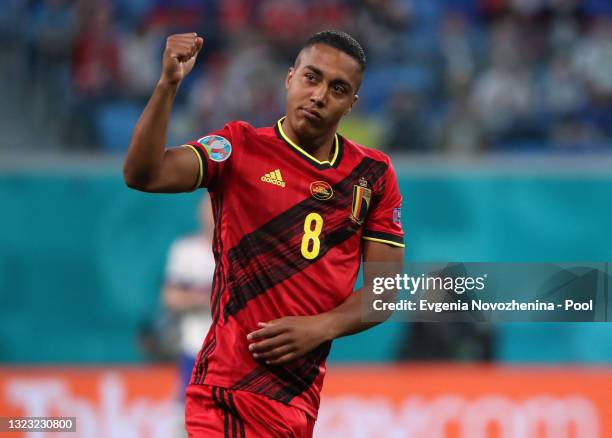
(309, 76)
(338, 89)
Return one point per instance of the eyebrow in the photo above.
(318, 71)
(314, 69)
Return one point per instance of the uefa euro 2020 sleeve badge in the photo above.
(218, 148)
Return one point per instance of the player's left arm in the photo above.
(286, 339)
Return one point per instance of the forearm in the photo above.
(147, 147)
(349, 317)
(358, 313)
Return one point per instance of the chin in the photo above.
(302, 126)
(307, 130)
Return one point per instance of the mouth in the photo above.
(312, 115)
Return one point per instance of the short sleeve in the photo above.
(214, 152)
(383, 223)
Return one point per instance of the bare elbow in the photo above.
(133, 180)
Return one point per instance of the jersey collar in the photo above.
(321, 165)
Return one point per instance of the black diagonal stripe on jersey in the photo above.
(257, 242)
(308, 370)
(251, 379)
(265, 379)
(285, 382)
(283, 259)
(276, 270)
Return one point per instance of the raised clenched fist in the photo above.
(179, 56)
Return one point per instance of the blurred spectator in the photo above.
(460, 131)
(207, 100)
(255, 76)
(504, 73)
(140, 53)
(95, 69)
(52, 29)
(286, 24)
(235, 16)
(155, 339)
(379, 24)
(457, 52)
(96, 57)
(593, 62)
(131, 13)
(283, 23)
(503, 99)
(563, 91)
(186, 294)
(251, 73)
(593, 59)
(563, 99)
(329, 14)
(175, 16)
(407, 129)
(503, 95)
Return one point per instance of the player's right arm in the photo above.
(149, 166)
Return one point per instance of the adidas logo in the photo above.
(274, 177)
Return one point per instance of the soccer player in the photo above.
(296, 208)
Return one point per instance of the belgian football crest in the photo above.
(362, 196)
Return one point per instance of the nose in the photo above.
(319, 95)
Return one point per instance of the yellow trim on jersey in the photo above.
(302, 151)
(389, 242)
(201, 170)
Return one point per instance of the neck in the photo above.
(321, 147)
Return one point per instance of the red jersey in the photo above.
(287, 241)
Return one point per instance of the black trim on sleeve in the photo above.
(204, 157)
(380, 236)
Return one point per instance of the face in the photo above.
(321, 89)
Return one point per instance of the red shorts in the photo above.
(213, 412)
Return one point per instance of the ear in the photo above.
(348, 111)
(289, 76)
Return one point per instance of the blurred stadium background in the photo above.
(498, 115)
